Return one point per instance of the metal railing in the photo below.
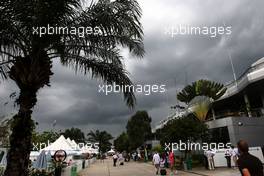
(249, 70)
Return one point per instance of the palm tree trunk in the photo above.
(20, 139)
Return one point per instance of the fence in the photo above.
(79, 164)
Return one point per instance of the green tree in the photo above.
(101, 137)
(26, 57)
(207, 88)
(183, 129)
(138, 129)
(121, 143)
(75, 134)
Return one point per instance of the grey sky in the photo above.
(73, 100)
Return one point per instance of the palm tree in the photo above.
(101, 137)
(202, 88)
(200, 106)
(26, 58)
(207, 88)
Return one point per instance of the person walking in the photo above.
(210, 158)
(163, 171)
(121, 159)
(235, 155)
(228, 155)
(156, 162)
(172, 161)
(248, 164)
(115, 157)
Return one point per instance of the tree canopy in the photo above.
(121, 143)
(184, 129)
(103, 138)
(138, 129)
(74, 134)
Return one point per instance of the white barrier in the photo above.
(79, 164)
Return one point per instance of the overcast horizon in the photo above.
(73, 100)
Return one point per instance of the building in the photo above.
(239, 113)
(179, 113)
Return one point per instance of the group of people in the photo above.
(248, 164)
(231, 154)
(159, 162)
(118, 157)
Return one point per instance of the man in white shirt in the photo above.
(235, 155)
(210, 157)
(115, 157)
(156, 162)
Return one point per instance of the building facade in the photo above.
(239, 113)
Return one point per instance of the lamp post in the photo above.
(239, 124)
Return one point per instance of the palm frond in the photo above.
(4, 69)
(99, 55)
(108, 72)
(207, 88)
(118, 22)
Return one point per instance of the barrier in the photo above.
(76, 167)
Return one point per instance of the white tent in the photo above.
(74, 143)
(69, 141)
(60, 144)
(111, 151)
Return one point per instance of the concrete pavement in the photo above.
(144, 169)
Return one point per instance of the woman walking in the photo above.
(162, 165)
(171, 160)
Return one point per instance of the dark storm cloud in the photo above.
(73, 100)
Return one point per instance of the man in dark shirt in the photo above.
(248, 164)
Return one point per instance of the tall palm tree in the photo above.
(206, 88)
(26, 58)
(102, 137)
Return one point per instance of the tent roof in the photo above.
(111, 151)
(60, 144)
(74, 143)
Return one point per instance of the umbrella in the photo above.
(41, 162)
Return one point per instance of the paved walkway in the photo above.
(145, 169)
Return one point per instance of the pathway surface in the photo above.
(144, 169)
